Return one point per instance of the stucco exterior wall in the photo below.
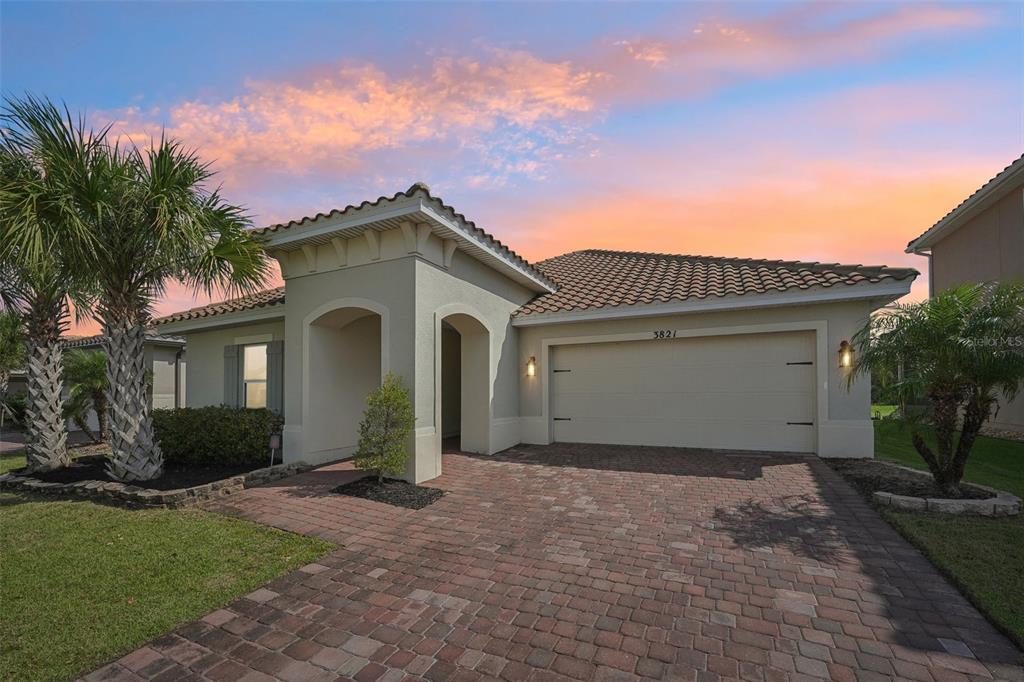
(845, 430)
(988, 248)
(204, 383)
(468, 288)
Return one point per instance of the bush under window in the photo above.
(215, 436)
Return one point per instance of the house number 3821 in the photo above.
(664, 333)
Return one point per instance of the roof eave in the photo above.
(882, 293)
(1010, 179)
(354, 221)
(220, 320)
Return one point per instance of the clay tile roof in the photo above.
(261, 299)
(423, 190)
(97, 340)
(596, 279)
(994, 184)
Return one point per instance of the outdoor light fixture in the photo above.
(531, 366)
(275, 445)
(846, 355)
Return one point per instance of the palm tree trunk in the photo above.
(47, 432)
(99, 405)
(135, 455)
(83, 425)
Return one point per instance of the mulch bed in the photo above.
(391, 491)
(94, 469)
(869, 476)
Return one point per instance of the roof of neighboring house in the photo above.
(261, 299)
(1005, 181)
(596, 278)
(96, 340)
(422, 190)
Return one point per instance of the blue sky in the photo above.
(828, 132)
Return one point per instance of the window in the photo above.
(254, 375)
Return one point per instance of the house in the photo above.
(591, 346)
(164, 358)
(981, 240)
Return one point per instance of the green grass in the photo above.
(9, 461)
(983, 556)
(83, 583)
(993, 462)
(882, 411)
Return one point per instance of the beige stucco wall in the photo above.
(411, 293)
(844, 431)
(204, 383)
(988, 248)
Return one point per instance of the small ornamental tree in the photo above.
(386, 425)
(960, 350)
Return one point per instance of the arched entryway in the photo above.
(344, 362)
(465, 381)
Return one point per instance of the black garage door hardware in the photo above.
(799, 423)
(806, 362)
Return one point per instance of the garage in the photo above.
(742, 392)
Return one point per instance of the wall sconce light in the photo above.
(846, 355)
(531, 366)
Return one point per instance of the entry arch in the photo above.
(463, 362)
(346, 340)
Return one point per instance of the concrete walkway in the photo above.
(590, 562)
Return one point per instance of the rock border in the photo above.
(1003, 504)
(134, 496)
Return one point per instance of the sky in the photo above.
(828, 131)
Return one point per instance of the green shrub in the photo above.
(17, 405)
(386, 425)
(215, 436)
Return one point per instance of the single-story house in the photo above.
(981, 240)
(592, 346)
(164, 358)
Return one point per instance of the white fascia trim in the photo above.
(885, 292)
(397, 209)
(223, 320)
(460, 229)
(366, 216)
(980, 201)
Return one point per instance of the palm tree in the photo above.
(154, 220)
(960, 350)
(85, 372)
(42, 153)
(12, 354)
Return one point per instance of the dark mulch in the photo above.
(391, 491)
(94, 469)
(868, 476)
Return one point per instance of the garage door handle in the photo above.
(799, 423)
(556, 371)
(562, 419)
(806, 362)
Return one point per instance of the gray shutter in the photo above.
(275, 376)
(232, 372)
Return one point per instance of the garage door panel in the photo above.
(752, 377)
(736, 392)
(683, 406)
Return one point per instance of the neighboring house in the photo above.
(592, 346)
(164, 358)
(981, 240)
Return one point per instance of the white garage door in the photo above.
(743, 392)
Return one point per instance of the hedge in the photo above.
(215, 436)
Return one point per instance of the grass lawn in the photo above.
(984, 557)
(10, 461)
(993, 462)
(83, 583)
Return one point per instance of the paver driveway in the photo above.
(590, 562)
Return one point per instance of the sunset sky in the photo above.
(816, 132)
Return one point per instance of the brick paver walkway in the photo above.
(590, 562)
